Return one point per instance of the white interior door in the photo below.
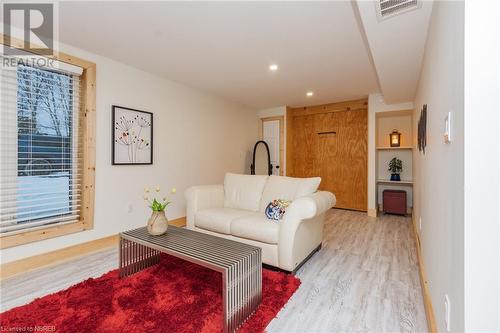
(271, 135)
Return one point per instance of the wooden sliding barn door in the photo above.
(330, 141)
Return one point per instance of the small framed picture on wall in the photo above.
(132, 136)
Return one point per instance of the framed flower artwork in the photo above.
(132, 136)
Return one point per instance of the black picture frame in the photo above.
(114, 127)
(422, 130)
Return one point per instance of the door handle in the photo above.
(277, 167)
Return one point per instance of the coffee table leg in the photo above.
(242, 291)
(135, 257)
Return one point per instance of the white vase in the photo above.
(157, 223)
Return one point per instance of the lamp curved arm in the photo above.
(269, 165)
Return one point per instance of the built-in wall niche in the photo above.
(405, 187)
(384, 156)
(386, 122)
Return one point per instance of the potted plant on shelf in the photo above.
(396, 167)
(158, 222)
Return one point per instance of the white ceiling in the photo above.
(397, 46)
(225, 48)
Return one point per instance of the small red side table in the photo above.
(394, 202)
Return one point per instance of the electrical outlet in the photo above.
(420, 223)
(130, 208)
(447, 312)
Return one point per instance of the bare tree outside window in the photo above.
(45, 143)
(44, 102)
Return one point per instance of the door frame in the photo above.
(282, 138)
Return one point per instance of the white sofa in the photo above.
(236, 210)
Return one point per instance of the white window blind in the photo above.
(40, 148)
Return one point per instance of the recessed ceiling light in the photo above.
(309, 93)
(273, 68)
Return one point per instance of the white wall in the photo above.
(272, 112)
(439, 174)
(197, 138)
(482, 166)
(377, 104)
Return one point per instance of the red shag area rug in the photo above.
(173, 296)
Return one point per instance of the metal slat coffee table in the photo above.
(240, 265)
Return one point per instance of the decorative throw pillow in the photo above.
(276, 209)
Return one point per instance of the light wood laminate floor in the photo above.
(364, 279)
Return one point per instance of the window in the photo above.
(46, 150)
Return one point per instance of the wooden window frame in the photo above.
(87, 126)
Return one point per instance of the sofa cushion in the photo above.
(218, 219)
(287, 188)
(243, 191)
(256, 227)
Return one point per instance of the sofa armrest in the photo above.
(308, 206)
(202, 197)
(307, 211)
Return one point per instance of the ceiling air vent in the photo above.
(390, 8)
